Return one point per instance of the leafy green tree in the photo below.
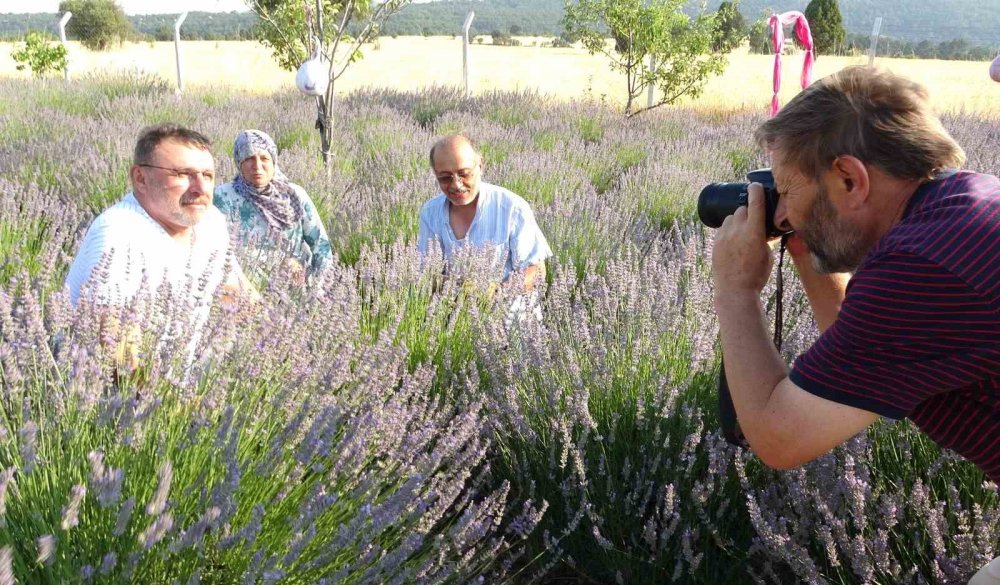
(827, 26)
(680, 47)
(291, 27)
(732, 27)
(39, 55)
(98, 24)
(957, 49)
(760, 38)
(926, 50)
(164, 33)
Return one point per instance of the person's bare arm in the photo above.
(532, 273)
(237, 288)
(784, 424)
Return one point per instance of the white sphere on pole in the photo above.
(312, 77)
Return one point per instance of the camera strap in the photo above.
(779, 293)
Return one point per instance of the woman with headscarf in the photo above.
(271, 212)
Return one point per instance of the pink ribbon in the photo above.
(777, 22)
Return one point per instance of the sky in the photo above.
(131, 6)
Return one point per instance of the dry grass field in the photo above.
(412, 62)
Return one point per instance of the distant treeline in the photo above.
(929, 29)
(936, 21)
(524, 17)
(954, 50)
(197, 26)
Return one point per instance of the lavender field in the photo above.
(382, 425)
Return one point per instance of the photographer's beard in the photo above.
(835, 244)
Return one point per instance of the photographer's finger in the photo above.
(727, 224)
(756, 209)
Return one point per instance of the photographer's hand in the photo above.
(741, 257)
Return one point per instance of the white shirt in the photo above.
(128, 246)
(504, 221)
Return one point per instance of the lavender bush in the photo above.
(382, 424)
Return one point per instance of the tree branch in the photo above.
(388, 8)
(344, 21)
(265, 16)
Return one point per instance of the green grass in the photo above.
(665, 204)
(300, 136)
(590, 129)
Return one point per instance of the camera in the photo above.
(720, 200)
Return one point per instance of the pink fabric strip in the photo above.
(777, 22)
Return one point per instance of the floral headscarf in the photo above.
(277, 202)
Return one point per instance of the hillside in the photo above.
(975, 21)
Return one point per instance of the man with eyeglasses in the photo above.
(468, 212)
(165, 231)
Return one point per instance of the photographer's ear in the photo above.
(851, 179)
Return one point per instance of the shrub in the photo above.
(39, 55)
(97, 23)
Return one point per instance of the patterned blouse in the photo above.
(306, 241)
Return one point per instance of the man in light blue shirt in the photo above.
(470, 212)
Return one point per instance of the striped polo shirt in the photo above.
(918, 334)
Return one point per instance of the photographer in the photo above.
(868, 180)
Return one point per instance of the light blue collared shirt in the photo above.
(503, 220)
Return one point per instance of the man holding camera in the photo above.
(867, 178)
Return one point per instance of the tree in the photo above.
(292, 27)
(954, 49)
(827, 26)
(39, 55)
(642, 29)
(97, 23)
(926, 50)
(760, 38)
(732, 28)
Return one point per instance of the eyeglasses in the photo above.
(185, 174)
(462, 175)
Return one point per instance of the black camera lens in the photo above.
(720, 200)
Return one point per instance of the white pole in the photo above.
(62, 37)
(465, 52)
(651, 91)
(177, 49)
(874, 42)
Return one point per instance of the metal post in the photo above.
(465, 53)
(177, 50)
(651, 90)
(62, 37)
(874, 42)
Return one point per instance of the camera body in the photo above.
(718, 201)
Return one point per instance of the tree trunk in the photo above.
(630, 84)
(324, 123)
